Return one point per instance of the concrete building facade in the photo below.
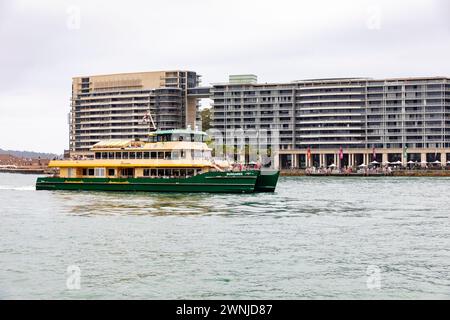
(346, 122)
(113, 106)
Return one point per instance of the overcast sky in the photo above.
(44, 43)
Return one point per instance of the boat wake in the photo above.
(18, 188)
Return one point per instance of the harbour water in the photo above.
(316, 237)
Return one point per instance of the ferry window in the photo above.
(111, 172)
(175, 137)
(72, 172)
(167, 155)
(182, 154)
(128, 172)
(90, 172)
(198, 138)
(99, 172)
(111, 155)
(139, 155)
(84, 172)
(132, 155)
(125, 155)
(167, 172)
(192, 137)
(176, 173)
(98, 155)
(153, 155)
(189, 172)
(192, 153)
(146, 155)
(153, 172)
(146, 172)
(104, 155)
(175, 155)
(118, 155)
(160, 155)
(197, 154)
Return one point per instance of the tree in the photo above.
(206, 118)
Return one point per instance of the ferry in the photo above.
(169, 161)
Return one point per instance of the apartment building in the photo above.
(113, 106)
(346, 122)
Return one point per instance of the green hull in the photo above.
(267, 181)
(216, 182)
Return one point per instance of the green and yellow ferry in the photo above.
(170, 161)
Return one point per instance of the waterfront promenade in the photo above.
(394, 172)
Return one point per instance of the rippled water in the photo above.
(314, 238)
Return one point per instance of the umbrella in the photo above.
(448, 162)
(374, 162)
(411, 162)
(437, 162)
(362, 165)
(332, 165)
(398, 162)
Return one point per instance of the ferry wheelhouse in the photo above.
(170, 161)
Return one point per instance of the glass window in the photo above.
(153, 172)
(90, 172)
(153, 155)
(197, 154)
(160, 155)
(118, 155)
(99, 172)
(175, 155)
(146, 155)
(128, 172)
(98, 155)
(138, 155)
(111, 172)
(110, 155)
(167, 155)
(132, 155)
(189, 172)
(198, 138)
(125, 155)
(104, 155)
(146, 172)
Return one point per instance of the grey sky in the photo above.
(45, 43)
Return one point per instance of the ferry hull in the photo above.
(215, 182)
(267, 181)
